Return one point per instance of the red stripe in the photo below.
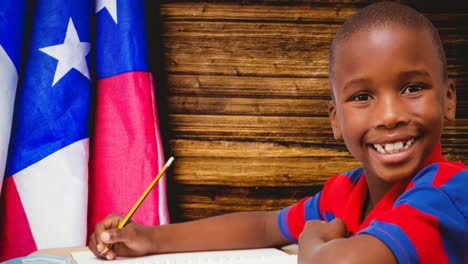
(351, 202)
(422, 230)
(296, 218)
(124, 157)
(16, 236)
(410, 185)
(448, 170)
(335, 194)
(343, 198)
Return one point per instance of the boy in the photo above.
(406, 204)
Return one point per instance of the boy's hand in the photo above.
(317, 232)
(130, 241)
(323, 230)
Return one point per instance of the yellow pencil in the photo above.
(141, 199)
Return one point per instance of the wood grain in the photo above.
(199, 201)
(248, 86)
(254, 12)
(268, 49)
(247, 97)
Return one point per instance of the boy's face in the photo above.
(390, 100)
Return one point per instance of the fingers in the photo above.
(338, 227)
(101, 250)
(107, 251)
(105, 248)
(116, 235)
(92, 245)
(96, 244)
(111, 221)
(323, 230)
(108, 241)
(113, 243)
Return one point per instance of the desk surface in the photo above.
(66, 252)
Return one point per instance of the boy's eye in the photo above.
(412, 88)
(361, 97)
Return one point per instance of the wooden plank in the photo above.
(259, 128)
(462, 109)
(247, 106)
(461, 87)
(195, 202)
(245, 149)
(245, 86)
(237, 11)
(298, 11)
(455, 140)
(257, 30)
(243, 172)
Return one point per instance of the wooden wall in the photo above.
(243, 95)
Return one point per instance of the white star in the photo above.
(70, 55)
(110, 5)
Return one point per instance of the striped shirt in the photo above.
(425, 221)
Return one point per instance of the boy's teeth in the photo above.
(393, 147)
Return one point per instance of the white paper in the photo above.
(249, 256)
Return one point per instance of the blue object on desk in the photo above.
(39, 259)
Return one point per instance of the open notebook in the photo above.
(249, 256)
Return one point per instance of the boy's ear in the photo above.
(450, 101)
(335, 124)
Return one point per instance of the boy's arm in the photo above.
(230, 231)
(322, 242)
(358, 249)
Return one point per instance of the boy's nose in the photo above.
(391, 112)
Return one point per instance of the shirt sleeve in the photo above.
(322, 206)
(428, 223)
(291, 220)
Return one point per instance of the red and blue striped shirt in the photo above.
(425, 221)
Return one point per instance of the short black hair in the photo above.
(384, 14)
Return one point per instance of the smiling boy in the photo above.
(406, 204)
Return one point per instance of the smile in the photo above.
(391, 148)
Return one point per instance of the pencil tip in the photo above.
(169, 162)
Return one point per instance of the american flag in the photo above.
(50, 196)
